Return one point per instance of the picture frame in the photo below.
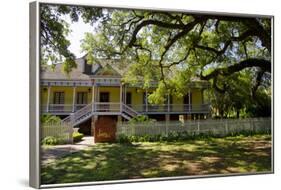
(36, 84)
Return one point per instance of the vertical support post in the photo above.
(167, 118)
(254, 126)
(146, 101)
(93, 98)
(168, 103)
(73, 98)
(125, 94)
(121, 89)
(119, 119)
(93, 124)
(202, 96)
(48, 98)
(97, 100)
(198, 127)
(189, 102)
(70, 130)
(226, 127)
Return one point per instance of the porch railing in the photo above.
(139, 108)
(172, 108)
(61, 108)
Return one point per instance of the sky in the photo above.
(78, 29)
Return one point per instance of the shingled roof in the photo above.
(84, 71)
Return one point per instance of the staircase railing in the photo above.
(91, 108)
(129, 111)
(78, 114)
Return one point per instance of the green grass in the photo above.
(238, 154)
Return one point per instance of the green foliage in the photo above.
(141, 119)
(183, 136)
(261, 107)
(49, 119)
(237, 99)
(54, 31)
(171, 48)
(77, 136)
(51, 140)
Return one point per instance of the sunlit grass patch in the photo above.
(241, 154)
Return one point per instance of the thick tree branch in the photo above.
(257, 83)
(242, 37)
(181, 34)
(265, 65)
(179, 61)
(160, 24)
(261, 33)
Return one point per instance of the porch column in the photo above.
(167, 123)
(121, 89)
(93, 124)
(97, 106)
(189, 103)
(202, 106)
(93, 98)
(73, 98)
(168, 103)
(48, 98)
(146, 101)
(125, 95)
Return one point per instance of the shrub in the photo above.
(123, 139)
(77, 136)
(180, 136)
(141, 119)
(51, 140)
(49, 119)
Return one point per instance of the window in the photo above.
(58, 97)
(104, 97)
(81, 98)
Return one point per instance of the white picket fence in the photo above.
(217, 127)
(59, 130)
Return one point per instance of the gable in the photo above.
(106, 70)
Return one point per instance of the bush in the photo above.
(180, 136)
(49, 119)
(123, 139)
(51, 140)
(141, 119)
(77, 136)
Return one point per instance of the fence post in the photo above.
(70, 130)
(226, 127)
(254, 128)
(166, 131)
(198, 127)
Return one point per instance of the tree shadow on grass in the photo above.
(144, 160)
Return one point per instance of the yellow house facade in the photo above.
(97, 90)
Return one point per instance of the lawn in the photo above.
(238, 154)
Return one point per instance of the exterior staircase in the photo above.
(100, 109)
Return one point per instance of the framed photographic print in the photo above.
(132, 94)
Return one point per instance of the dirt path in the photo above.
(50, 153)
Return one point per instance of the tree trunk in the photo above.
(237, 114)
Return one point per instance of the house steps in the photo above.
(89, 110)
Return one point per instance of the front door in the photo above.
(104, 99)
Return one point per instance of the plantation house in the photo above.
(94, 91)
